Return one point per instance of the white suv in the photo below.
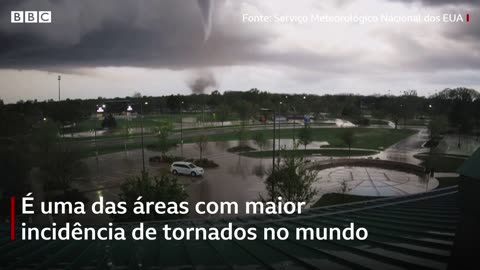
(182, 167)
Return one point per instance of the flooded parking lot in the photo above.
(239, 178)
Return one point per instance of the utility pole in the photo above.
(59, 79)
(98, 109)
(273, 157)
(274, 116)
(181, 128)
(143, 148)
(279, 128)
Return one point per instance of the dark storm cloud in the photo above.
(122, 33)
(440, 2)
(171, 34)
(155, 34)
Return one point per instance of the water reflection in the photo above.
(241, 179)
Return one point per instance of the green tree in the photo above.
(44, 138)
(165, 189)
(201, 142)
(437, 126)
(242, 135)
(394, 109)
(60, 166)
(163, 131)
(291, 180)
(260, 139)
(109, 122)
(410, 104)
(174, 103)
(15, 165)
(244, 110)
(223, 112)
(305, 136)
(344, 189)
(348, 138)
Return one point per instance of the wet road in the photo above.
(404, 150)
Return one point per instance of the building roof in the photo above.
(471, 167)
(407, 232)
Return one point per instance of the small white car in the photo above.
(182, 167)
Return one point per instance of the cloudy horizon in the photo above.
(115, 48)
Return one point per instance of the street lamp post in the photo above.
(279, 111)
(141, 123)
(59, 79)
(98, 110)
(273, 157)
(294, 120)
(273, 149)
(181, 128)
(402, 111)
(127, 131)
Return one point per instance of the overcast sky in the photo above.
(114, 48)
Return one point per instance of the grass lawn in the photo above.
(148, 121)
(367, 138)
(103, 150)
(441, 163)
(309, 152)
(337, 198)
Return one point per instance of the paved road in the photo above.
(404, 150)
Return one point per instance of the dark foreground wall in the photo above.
(466, 248)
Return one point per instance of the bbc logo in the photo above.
(31, 17)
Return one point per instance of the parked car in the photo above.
(182, 167)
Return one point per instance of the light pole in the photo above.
(286, 111)
(141, 123)
(279, 111)
(129, 110)
(99, 110)
(273, 151)
(402, 111)
(59, 79)
(181, 128)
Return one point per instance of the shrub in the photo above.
(165, 159)
(165, 189)
(204, 162)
